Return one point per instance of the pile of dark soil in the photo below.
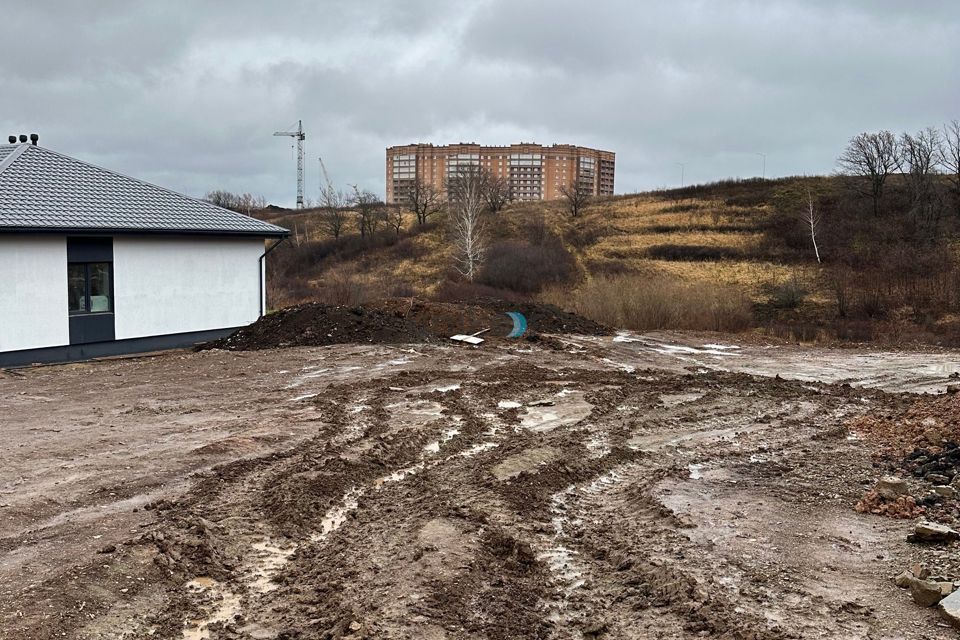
(546, 318)
(316, 324)
(399, 321)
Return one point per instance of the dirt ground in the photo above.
(656, 486)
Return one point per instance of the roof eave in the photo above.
(86, 231)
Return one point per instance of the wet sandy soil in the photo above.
(630, 487)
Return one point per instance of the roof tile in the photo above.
(44, 190)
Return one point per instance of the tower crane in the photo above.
(326, 178)
(299, 136)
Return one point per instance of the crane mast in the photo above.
(299, 136)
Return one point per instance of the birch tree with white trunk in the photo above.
(811, 218)
(466, 202)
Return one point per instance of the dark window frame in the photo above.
(86, 288)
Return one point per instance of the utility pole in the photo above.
(299, 136)
(682, 167)
(763, 176)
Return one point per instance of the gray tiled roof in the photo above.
(45, 191)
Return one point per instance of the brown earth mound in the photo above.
(927, 421)
(398, 321)
(319, 324)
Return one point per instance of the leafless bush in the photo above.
(245, 203)
(693, 252)
(526, 267)
(450, 291)
(788, 294)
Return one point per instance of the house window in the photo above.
(89, 287)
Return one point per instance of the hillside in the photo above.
(728, 256)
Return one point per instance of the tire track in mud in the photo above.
(521, 502)
(267, 555)
(612, 585)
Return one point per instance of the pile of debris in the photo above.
(398, 321)
(918, 441)
(890, 497)
(927, 589)
(928, 422)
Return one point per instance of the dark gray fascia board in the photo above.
(87, 231)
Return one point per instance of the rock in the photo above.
(919, 571)
(931, 532)
(953, 388)
(891, 487)
(950, 609)
(904, 579)
(930, 499)
(946, 491)
(925, 592)
(937, 478)
(595, 629)
(355, 626)
(110, 548)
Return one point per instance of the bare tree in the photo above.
(333, 215)
(396, 217)
(811, 218)
(920, 156)
(245, 203)
(949, 158)
(370, 211)
(576, 196)
(465, 191)
(423, 199)
(496, 192)
(872, 157)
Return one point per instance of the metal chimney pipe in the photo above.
(23, 137)
(34, 138)
(12, 139)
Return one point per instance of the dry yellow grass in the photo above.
(618, 233)
(630, 224)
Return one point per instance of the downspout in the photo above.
(263, 297)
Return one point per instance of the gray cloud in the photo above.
(188, 94)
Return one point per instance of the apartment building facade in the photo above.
(533, 171)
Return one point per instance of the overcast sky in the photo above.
(187, 94)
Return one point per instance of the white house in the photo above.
(94, 263)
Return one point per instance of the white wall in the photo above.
(176, 284)
(33, 292)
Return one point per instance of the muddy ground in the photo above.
(657, 486)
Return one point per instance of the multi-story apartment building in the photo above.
(533, 171)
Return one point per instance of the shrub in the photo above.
(642, 302)
(461, 291)
(704, 228)
(789, 294)
(527, 268)
(692, 252)
(682, 207)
